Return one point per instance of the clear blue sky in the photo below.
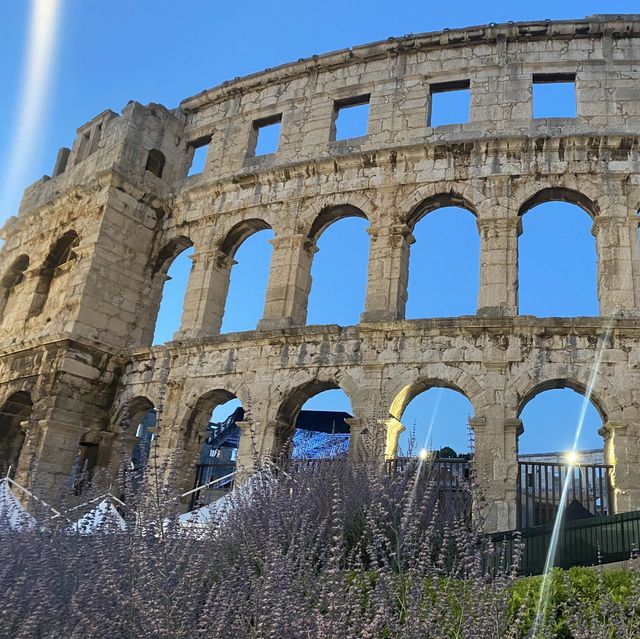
(162, 51)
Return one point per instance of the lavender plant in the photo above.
(332, 551)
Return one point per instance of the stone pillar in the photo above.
(289, 282)
(618, 263)
(622, 451)
(55, 450)
(247, 452)
(357, 451)
(495, 469)
(206, 295)
(394, 428)
(258, 443)
(388, 273)
(498, 292)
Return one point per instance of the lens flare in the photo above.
(427, 440)
(571, 458)
(543, 599)
(39, 59)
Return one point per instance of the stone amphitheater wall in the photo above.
(76, 330)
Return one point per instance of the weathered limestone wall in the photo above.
(84, 356)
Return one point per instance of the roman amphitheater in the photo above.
(84, 261)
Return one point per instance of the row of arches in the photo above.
(63, 251)
(435, 417)
(557, 264)
(314, 422)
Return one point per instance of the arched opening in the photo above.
(444, 261)
(557, 258)
(155, 162)
(10, 283)
(314, 424)
(247, 251)
(561, 441)
(213, 434)
(170, 276)
(430, 419)
(428, 429)
(339, 267)
(61, 253)
(139, 427)
(86, 462)
(14, 417)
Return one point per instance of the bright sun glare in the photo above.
(37, 80)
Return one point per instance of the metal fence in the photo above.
(540, 489)
(448, 471)
(583, 542)
(206, 473)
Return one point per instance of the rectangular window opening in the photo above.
(266, 136)
(450, 103)
(351, 118)
(554, 95)
(200, 149)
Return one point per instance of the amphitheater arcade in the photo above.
(85, 260)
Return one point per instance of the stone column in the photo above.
(495, 468)
(259, 442)
(388, 273)
(618, 263)
(206, 295)
(55, 449)
(622, 451)
(289, 282)
(356, 445)
(394, 428)
(498, 291)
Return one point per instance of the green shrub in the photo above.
(573, 593)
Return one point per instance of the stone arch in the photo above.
(334, 259)
(560, 194)
(417, 203)
(438, 201)
(294, 399)
(15, 411)
(559, 383)
(227, 289)
(297, 396)
(162, 260)
(428, 280)
(564, 286)
(155, 162)
(546, 377)
(409, 387)
(134, 412)
(238, 233)
(199, 414)
(122, 443)
(422, 384)
(159, 267)
(61, 252)
(192, 430)
(11, 279)
(331, 214)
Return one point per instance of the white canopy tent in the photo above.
(219, 510)
(102, 518)
(13, 515)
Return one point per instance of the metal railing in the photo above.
(447, 471)
(205, 476)
(540, 488)
(583, 542)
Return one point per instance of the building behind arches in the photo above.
(85, 261)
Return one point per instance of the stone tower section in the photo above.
(84, 261)
(76, 286)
